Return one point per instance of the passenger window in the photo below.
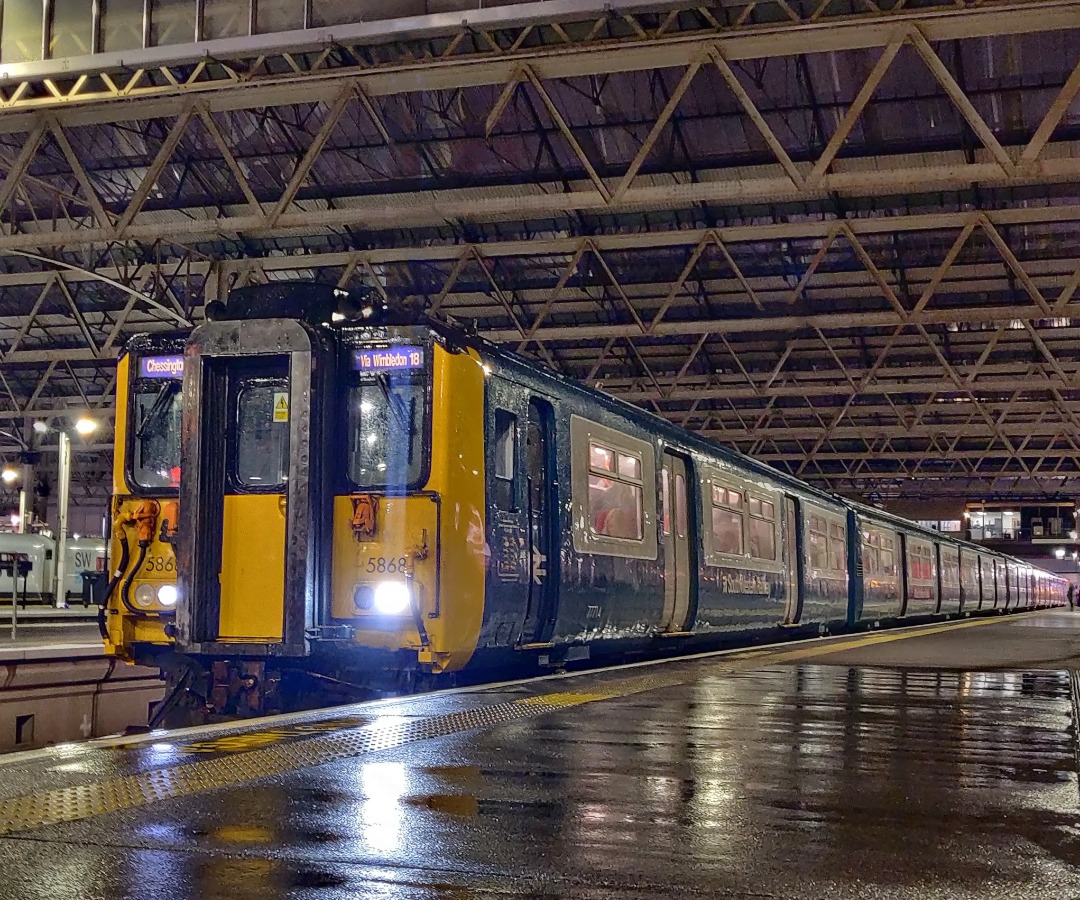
(762, 539)
(505, 454)
(505, 425)
(616, 492)
(817, 542)
(761, 530)
(615, 495)
(262, 437)
(727, 521)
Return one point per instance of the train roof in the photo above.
(325, 306)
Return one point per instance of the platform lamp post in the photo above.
(84, 426)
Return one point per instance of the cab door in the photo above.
(250, 561)
(254, 501)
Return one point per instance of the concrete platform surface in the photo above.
(787, 772)
(50, 641)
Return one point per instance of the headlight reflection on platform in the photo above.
(384, 785)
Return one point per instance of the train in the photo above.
(316, 496)
(85, 556)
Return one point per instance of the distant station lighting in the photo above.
(1059, 553)
(9, 475)
(1072, 535)
(41, 426)
(85, 426)
(15, 520)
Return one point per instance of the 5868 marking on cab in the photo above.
(382, 565)
(160, 564)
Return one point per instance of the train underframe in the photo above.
(200, 690)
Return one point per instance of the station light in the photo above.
(1072, 535)
(85, 425)
(9, 475)
(41, 426)
(1059, 553)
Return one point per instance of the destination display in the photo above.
(388, 359)
(161, 367)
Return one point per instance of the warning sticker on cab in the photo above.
(281, 406)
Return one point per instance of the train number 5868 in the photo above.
(381, 564)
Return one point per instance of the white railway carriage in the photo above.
(84, 555)
(41, 551)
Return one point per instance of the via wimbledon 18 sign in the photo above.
(161, 367)
(388, 359)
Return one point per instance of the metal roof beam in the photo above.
(144, 98)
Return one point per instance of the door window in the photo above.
(262, 436)
(680, 505)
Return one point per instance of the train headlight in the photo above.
(144, 595)
(392, 598)
(167, 595)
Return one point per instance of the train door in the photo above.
(676, 544)
(939, 580)
(255, 445)
(250, 573)
(905, 581)
(791, 561)
(541, 507)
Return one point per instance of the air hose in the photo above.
(125, 590)
(125, 558)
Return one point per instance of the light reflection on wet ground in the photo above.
(815, 781)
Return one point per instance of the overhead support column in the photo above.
(64, 479)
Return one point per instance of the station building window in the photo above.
(20, 32)
(225, 19)
(121, 25)
(72, 31)
(989, 525)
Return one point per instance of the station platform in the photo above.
(934, 762)
(52, 641)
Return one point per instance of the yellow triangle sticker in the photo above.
(281, 407)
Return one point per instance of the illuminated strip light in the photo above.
(388, 359)
(161, 367)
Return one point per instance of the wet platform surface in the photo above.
(871, 766)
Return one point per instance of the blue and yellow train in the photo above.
(312, 498)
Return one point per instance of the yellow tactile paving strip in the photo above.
(254, 755)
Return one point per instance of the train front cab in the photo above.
(140, 605)
(334, 482)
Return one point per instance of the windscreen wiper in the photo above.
(394, 404)
(161, 404)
